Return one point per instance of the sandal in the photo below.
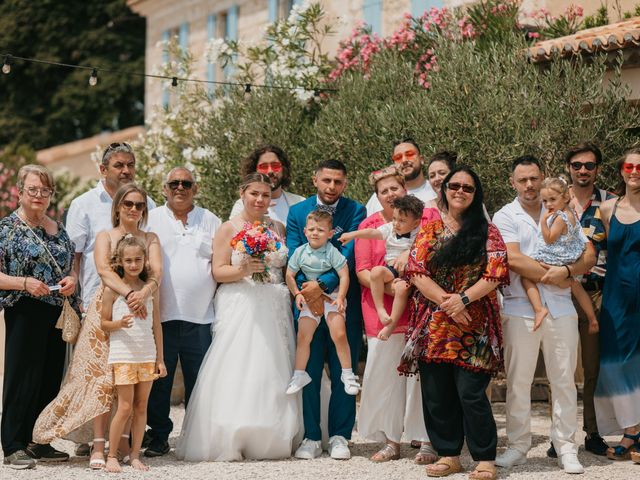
(635, 457)
(416, 443)
(126, 459)
(386, 453)
(426, 455)
(453, 466)
(477, 474)
(97, 463)
(620, 452)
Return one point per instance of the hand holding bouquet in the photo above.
(256, 240)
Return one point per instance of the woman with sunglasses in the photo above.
(36, 259)
(617, 396)
(454, 339)
(87, 393)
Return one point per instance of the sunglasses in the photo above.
(630, 167)
(454, 187)
(409, 155)
(34, 191)
(128, 204)
(590, 166)
(174, 184)
(265, 167)
(119, 146)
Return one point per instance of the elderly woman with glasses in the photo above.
(454, 337)
(36, 274)
(87, 393)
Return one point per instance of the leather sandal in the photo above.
(426, 455)
(620, 452)
(386, 453)
(477, 474)
(635, 457)
(97, 463)
(453, 466)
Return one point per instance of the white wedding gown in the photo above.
(239, 408)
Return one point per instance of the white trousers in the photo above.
(390, 403)
(558, 338)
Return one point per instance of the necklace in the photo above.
(31, 222)
(450, 223)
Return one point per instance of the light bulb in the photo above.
(6, 68)
(93, 79)
(247, 91)
(174, 82)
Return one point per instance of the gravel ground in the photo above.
(538, 466)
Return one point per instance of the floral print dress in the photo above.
(432, 336)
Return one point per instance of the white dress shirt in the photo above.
(187, 287)
(424, 192)
(89, 214)
(517, 226)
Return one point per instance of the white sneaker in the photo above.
(298, 382)
(309, 449)
(510, 458)
(569, 463)
(351, 385)
(339, 448)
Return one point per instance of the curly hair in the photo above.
(250, 164)
(128, 240)
(409, 205)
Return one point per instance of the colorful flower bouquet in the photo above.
(256, 240)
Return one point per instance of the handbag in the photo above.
(68, 321)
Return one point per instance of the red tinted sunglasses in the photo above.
(630, 167)
(409, 155)
(265, 167)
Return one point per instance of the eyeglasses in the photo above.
(264, 167)
(630, 167)
(34, 191)
(590, 166)
(409, 155)
(454, 187)
(174, 184)
(128, 204)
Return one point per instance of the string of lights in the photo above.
(9, 60)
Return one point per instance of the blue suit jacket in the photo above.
(347, 217)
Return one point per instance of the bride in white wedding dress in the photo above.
(239, 408)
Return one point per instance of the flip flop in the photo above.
(452, 465)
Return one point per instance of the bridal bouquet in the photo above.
(256, 240)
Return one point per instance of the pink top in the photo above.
(370, 253)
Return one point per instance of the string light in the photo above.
(93, 79)
(247, 91)
(6, 67)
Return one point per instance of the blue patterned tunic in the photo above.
(22, 255)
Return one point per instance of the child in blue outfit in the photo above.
(314, 258)
(561, 241)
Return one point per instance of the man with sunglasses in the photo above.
(406, 154)
(186, 234)
(583, 164)
(519, 224)
(273, 162)
(90, 213)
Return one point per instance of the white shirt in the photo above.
(187, 287)
(279, 208)
(424, 192)
(89, 214)
(394, 245)
(517, 226)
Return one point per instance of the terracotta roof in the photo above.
(616, 36)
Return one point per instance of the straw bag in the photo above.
(68, 321)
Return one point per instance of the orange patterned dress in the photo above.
(432, 336)
(87, 390)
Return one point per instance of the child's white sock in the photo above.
(347, 371)
(298, 373)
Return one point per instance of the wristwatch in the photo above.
(322, 286)
(465, 299)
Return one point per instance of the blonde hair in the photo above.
(254, 178)
(128, 240)
(320, 216)
(558, 184)
(387, 172)
(45, 175)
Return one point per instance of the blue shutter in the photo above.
(211, 33)
(372, 14)
(232, 32)
(273, 10)
(166, 36)
(183, 36)
(418, 7)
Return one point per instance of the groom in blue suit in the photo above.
(330, 181)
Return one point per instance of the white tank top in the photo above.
(135, 344)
